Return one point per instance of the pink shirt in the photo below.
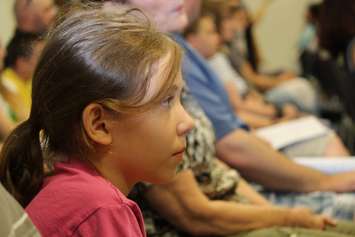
(77, 201)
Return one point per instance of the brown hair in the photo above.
(93, 54)
(219, 9)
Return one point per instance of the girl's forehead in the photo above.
(158, 74)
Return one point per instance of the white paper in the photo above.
(291, 132)
(328, 165)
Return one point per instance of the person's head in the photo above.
(312, 14)
(227, 17)
(168, 15)
(202, 35)
(35, 15)
(23, 53)
(239, 15)
(106, 89)
(336, 25)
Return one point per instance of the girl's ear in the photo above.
(95, 122)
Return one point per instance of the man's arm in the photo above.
(185, 206)
(256, 160)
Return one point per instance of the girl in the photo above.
(105, 105)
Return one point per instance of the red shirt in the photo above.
(77, 201)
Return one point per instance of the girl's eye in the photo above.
(168, 101)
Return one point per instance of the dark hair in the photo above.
(336, 25)
(217, 9)
(94, 54)
(20, 46)
(314, 10)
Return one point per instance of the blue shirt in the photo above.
(206, 87)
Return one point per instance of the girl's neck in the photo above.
(113, 175)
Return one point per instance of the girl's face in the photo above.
(168, 15)
(240, 20)
(206, 40)
(149, 146)
(234, 24)
(228, 29)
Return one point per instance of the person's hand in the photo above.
(305, 218)
(290, 111)
(254, 95)
(286, 76)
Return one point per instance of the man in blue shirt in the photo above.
(209, 91)
(253, 157)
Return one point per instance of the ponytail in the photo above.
(21, 163)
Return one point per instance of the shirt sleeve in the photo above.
(215, 104)
(236, 58)
(224, 73)
(112, 221)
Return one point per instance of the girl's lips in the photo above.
(180, 152)
(178, 156)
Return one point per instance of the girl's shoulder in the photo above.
(79, 181)
(74, 198)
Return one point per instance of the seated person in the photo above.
(316, 147)
(250, 46)
(308, 40)
(34, 16)
(209, 198)
(106, 114)
(249, 105)
(280, 89)
(7, 123)
(23, 52)
(14, 222)
(337, 41)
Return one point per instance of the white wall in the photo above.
(7, 21)
(277, 33)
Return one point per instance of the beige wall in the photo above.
(277, 34)
(7, 22)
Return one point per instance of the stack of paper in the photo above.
(328, 165)
(288, 133)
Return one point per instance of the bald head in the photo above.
(34, 15)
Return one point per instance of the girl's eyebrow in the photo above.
(173, 88)
(176, 87)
